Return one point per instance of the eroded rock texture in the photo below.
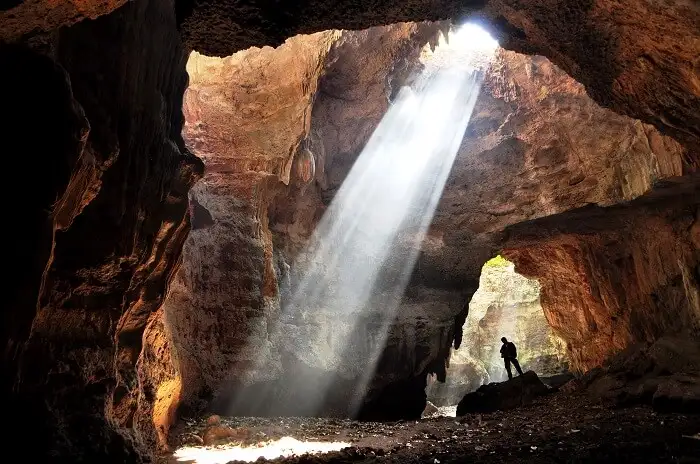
(612, 277)
(639, 58)
(664, 373)
(508, 305)
(505, 305)
(21, 19)
(107, 226)
(279, 130)
(246, 116)
(100, 134)
(261, 161)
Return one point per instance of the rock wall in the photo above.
(535, 132)
(634, 57)
(638, 58)
(261, 158)
(245, 117)
(126, 70)
(613, 277)
(98, 122)
(508, 305)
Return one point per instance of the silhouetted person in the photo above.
(510, 355)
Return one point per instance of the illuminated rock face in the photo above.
(606, 274)
(537, 146)
(505, 305)
(245, 117)
(266, 122)
(84, 296)
(508, 305)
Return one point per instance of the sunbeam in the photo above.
(357, 263)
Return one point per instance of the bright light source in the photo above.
(468, 45)
(284, 447)
(472, 36)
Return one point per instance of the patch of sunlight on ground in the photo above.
(447, 411)
(284, 447)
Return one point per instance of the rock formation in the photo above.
(501, 396)
(98, 123)
(508, 304)
(225, 295)
(607, 280)
(664, 373)
(100, 217)
(271, 174)
(260, 159)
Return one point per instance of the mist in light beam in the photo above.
(361, 255)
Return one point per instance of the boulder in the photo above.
(218, 434)
(501, 396)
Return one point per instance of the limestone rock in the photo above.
(259, 206)
(21, 18)
(508, 305)
(607, 282)
(259, 209)
(90, 271)
(518, 391)
(97, 121)
(430, 410)
(557, 381)
(664, 374)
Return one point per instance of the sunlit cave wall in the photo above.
(250, 118)
(616, 277)
(505, 305)
(119, 233)
(279, 130)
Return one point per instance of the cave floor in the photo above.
(556, 428)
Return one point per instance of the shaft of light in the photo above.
(357, 264)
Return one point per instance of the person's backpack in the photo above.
(513, 351)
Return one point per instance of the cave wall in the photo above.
(41, 96)
(257, 161)
(507, 304)
(538, 145)
(535, 132)
(615, 277)
(638, 58)
(245, 117)
(112, 180)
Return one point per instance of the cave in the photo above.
(179, 157)
(506, 304)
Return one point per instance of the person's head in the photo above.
(504, 339)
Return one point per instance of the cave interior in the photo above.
(202, 177)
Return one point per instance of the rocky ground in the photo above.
(556, 428)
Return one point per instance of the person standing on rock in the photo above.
(510, 355)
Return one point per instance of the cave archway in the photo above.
(506, 304)
(81, 335)
(535, 131)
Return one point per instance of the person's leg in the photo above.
(507, 362)
(517, 366)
